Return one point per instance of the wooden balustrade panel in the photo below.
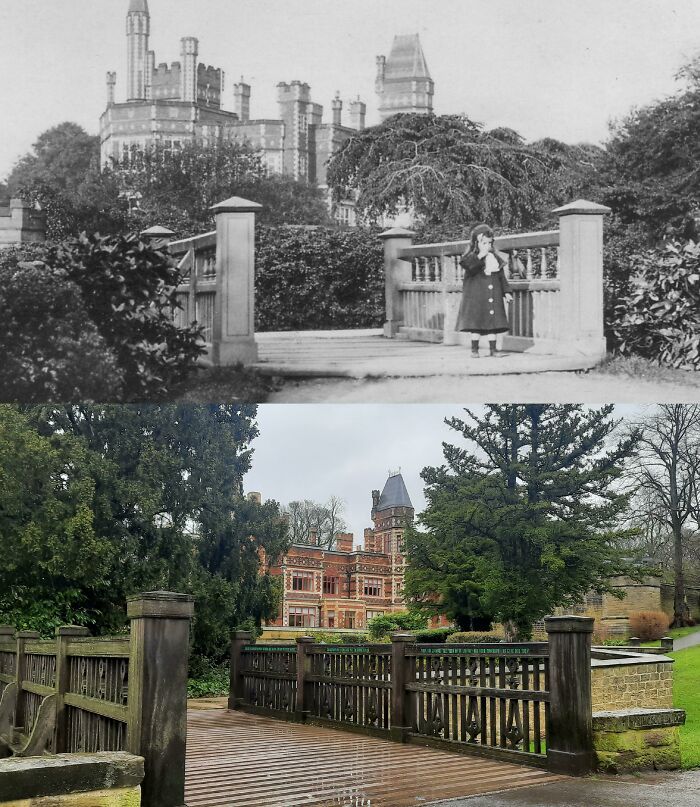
(349, 684)
(87, 732)
(205, 301)
(487, 696)
(104, 678)
(32, 702)
(269, 677)
(40, 668)
(7, 668)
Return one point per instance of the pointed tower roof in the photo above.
(138, 5)
(406, 59)
(394, 494)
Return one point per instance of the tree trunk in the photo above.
(679, 607)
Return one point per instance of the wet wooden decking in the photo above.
(240, 760)
(368, 354)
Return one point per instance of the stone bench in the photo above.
(637, 739)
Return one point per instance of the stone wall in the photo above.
(637, 739)
(72, 780)
(637, 681)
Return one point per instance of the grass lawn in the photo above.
(638, 367)
(224, 385)
(686, 695)
(675, 633)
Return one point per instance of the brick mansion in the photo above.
(172, 104)
(346, 586)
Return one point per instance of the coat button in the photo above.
(491, 312)
(490, 299)
(490, 286)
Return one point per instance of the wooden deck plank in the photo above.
(240, 760)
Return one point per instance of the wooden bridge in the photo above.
(236, 759)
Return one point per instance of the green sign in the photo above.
(475, 650)
(344, 649)
(268, 648)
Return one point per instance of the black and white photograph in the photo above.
(349, 403)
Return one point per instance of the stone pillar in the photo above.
(570, 726)
(233, 338)
(303, 670)
(396, 271)
(634, 641)
(581, 278)
(400, 699)
(239, 638)
(160, 622)
(666, 644)
(157, 237)
(64, 634)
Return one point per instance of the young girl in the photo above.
(485, 286)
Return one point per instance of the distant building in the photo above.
(177, 103)
(346, 586)
(403, 80)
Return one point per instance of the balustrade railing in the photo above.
(196, 294)
(493, 699)
(123, 693)
(556, 278)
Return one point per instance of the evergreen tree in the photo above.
(524, 520)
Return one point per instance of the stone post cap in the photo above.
(157, 232)
(72, 630)
(569, 624)
(28, 634)
(163, 604)
(236, 205)
(242, 635)
(402, 637)
(582, 207)
(397, 232)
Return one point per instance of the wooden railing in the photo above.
(493, 699)
(556, 277)
(123, 693)
(196, 295)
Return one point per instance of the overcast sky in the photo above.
(558, 68)
(314, 451)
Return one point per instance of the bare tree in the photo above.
(310, 522)
(667, 470)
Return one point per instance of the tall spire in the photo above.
(138, 27)
(403, 80)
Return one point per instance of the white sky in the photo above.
(313, 451)
(558, 68)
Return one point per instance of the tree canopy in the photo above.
(524, 519)
(108, 501)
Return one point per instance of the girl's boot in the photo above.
(475, 348)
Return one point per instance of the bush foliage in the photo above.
(313, 278)
(396, 621)
(90, 319)
(659, 316)
(474, 637)
(649, 626)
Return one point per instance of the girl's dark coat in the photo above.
(482, 309)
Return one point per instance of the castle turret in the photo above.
(138, 28)
(403, 80)
(241, 100)
(358, 110)
(188, 68)
(337, 107)
(111, 83)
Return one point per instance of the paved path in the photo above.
(240, 760)
(666, 789)
(690, 640)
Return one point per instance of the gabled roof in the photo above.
(394, 494)
(406, 59)
(138, 5)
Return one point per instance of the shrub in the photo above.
(208, 680)
(340, 638)
(659, 317)
(396, 621)
(315, 278)
(433, 635)
(51, 349)
(473, 637)
(128, 291)
(649, 625)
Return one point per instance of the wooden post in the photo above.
(233, 337)
(581, 279)
(303, 670)
(158, 658)
(63, 634)
(570, 725)
(400, 699)
(396, 271)
(22, 637)
(236, 695)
